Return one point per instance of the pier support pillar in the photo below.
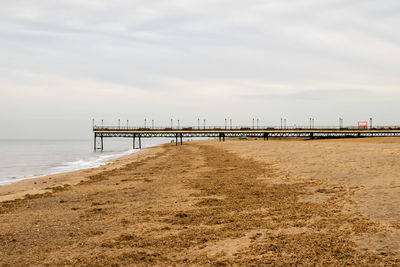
(176, 139)
(140, 142)
(311, 135)
(102, 146)
(223, 137)
(181, 138)
(94, 144)
(134, 142)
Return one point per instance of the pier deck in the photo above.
(223, 132)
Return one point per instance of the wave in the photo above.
(89, 163)
(79, 164)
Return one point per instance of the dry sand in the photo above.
(320, 202)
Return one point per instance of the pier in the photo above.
(178, 133)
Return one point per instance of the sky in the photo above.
(65, 62)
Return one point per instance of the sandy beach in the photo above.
(207, 203)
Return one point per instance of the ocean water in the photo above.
(24, 159)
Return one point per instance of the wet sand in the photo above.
(240, 202)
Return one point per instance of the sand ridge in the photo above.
(197, 204)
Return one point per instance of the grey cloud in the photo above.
(321, 94)
(197, 57)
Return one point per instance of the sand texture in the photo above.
(247, 202)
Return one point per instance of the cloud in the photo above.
(196, 57)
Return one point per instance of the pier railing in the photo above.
(237, 128)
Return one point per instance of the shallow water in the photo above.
(23, 159)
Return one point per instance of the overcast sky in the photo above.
(64, 62)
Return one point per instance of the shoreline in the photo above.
(67, 160)
(45, 183)
(23, 186)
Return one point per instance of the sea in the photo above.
(25, 159)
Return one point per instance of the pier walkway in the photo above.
(101, 132)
